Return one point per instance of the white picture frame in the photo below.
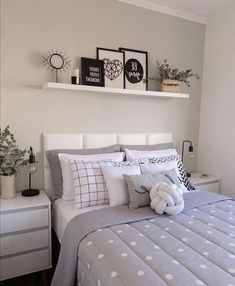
(113, 67)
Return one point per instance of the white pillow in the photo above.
(137, 154)
(116, 185)
(89, 185)
(65, 161)
(162, 165)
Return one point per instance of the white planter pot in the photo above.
(8, 189)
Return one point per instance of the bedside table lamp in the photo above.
(32, 169)
(190, 149)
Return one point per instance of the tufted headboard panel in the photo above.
(93, 140)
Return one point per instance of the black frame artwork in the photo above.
(92, 72)
(114, 61)
(136, 69)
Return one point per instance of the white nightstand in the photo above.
(204, 182)
(25, 235)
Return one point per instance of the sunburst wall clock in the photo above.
(56, 60)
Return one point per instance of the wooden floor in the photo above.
(35, 279)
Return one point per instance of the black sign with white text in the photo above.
(92, 72)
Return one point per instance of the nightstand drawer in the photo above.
(23, 220)
(211, 187)
(23, 264)
(17, 243)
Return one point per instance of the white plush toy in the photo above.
(166, 199)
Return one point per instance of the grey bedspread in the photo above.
(118, 246)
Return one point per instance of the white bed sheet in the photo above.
(63, 211)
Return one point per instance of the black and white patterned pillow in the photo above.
(89, 185)
(183, 175)
(131, 163)
(181, 171)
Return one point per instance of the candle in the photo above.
(76, 72)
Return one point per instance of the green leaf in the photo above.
(11, 157)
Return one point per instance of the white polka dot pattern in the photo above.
(203, 266)
(199, 282)
(169, 276)
(231, 270)
(140, 273)
(186, 249)
(113, 274)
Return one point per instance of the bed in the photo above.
(117, 246)
(63, 212)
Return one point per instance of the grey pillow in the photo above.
(147, 147)
(54, 162)
(168, 177)
(139, 187)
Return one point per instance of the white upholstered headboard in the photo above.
(93, 140)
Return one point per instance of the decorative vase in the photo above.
(170, 85)
(8, 189)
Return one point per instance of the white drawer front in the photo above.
(23, 242)
(23, 264)
(212, 187)
(17, 221)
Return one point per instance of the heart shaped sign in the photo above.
(112, 68)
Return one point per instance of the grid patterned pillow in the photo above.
(89, 185)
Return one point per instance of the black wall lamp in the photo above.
(190, 149)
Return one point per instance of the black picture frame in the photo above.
(92, 72)
(114, 61)
(136, 69)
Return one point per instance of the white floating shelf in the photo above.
(97, 89)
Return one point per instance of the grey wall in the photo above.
(31, 27)
(217, 132)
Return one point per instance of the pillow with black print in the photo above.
(169, 177)
(139, 187)
(131, 163)
(167, 163)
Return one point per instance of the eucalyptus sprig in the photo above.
(167, 72)
(11, 157)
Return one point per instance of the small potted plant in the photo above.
(11, 159)
(170, 78)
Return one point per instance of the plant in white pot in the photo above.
(11, 159)
(170, 78)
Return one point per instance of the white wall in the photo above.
(31, 27)
(217, 127)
